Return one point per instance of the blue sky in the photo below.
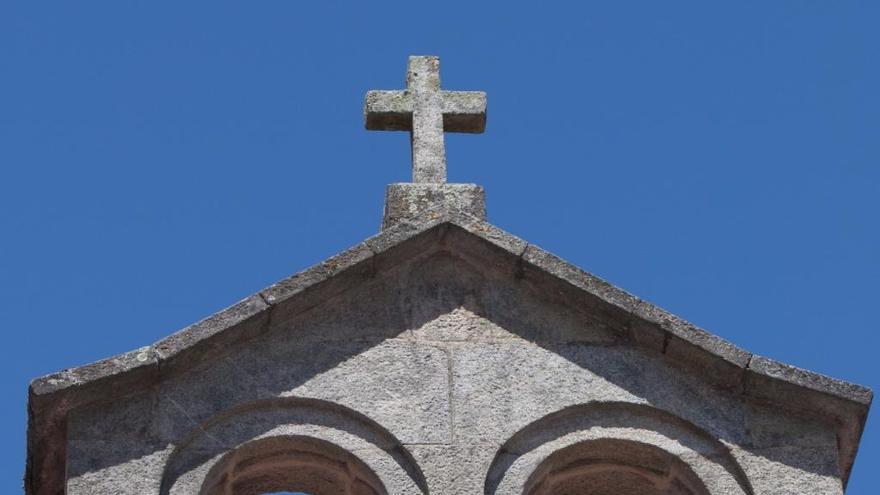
(163, 160)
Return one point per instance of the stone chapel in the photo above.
(441, 356)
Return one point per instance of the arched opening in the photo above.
(291, 464)
(613, 467)
(612, 445)
(273, 444)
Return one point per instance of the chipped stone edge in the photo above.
(53, 394)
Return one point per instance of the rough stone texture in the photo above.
(772, 369)
(442, 356)
(427, 112)
(409, 202)
(449, 357)
(209, 337)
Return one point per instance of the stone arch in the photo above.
(263, 442)
(611, 466)
(615, 442)
(291, 463)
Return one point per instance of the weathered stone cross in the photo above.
(427, 112)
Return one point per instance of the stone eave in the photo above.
(758, 378)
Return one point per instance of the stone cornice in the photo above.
(683, 344)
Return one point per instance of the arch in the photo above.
(579, 440)
(292, 464)
(281, 433)
(611, 466)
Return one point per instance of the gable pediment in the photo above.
(356, 325)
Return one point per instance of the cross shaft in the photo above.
(427, 112)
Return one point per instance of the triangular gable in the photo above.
(645, 325)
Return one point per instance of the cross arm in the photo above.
(464, 111)
(388, 111)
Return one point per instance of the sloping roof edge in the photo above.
(756, 377)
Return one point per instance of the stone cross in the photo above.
(427, 112)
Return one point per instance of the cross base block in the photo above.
(412, 201)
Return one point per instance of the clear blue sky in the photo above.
(163, 160)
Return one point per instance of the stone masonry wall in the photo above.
(445, 375)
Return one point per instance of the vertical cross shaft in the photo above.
(428, 147)
(427, 112)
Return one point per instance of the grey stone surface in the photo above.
(409, 202)
(211, 336)
(501, 403)
(140, 362)
(442, 355)
(314, 285)
(255, 433)
(454, 468)
(116, 447)
(427, 112)
(780, 371)
(792, 470)
(450, 334)
(316, 466)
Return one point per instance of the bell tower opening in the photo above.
(613, 467)
(292, 465)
